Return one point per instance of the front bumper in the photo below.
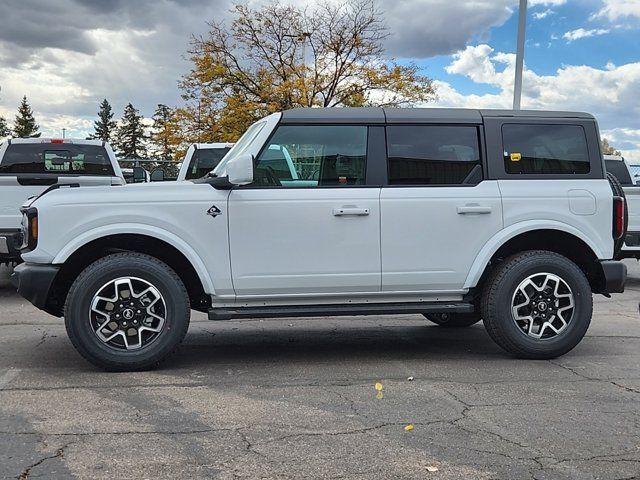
(614, 275)
(34, 282)
(10, 242)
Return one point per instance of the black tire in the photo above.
(499, 293)
(453, 320)
(100, 273)
(618, 191)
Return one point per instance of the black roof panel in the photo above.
(535, 113)
(432, 115)
(341, 115)
(333, 115)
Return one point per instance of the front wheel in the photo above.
(127, 311)
(537, 305)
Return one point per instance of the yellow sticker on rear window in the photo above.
(516, 157)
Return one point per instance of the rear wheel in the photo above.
(453, 320)
(127, 311)
(537, 305)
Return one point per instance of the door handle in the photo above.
(474, 209)
(350, 211)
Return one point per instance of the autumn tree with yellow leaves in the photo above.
(281, 56)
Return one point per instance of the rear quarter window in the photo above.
(61, 159)
(545, 149)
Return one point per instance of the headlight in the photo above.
(29, 229)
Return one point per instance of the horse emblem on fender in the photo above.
(214, 211)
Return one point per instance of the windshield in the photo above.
(241, 145)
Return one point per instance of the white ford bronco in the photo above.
(628, 188)
(460, 215)
(28, 166)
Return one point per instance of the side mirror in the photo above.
(139, 175)
(157, 175)
(240, 170)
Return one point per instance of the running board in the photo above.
(229, 313)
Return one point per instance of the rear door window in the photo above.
(545, 149)
(61, 159)
(433, 155)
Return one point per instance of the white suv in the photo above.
(28, 166)
(621, 170)
(460, 215)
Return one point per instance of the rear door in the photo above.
(437, 211)
(27, 169)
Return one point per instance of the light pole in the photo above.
(522, 25)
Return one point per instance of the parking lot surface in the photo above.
(296, 398)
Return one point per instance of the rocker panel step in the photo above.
(339, 310)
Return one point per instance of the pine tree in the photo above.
(105, 126)
(25, 124)
(131, 139)
(4, 128)
(164, 134)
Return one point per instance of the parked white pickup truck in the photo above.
(28, 166)
(461, 215)
(619, 167)
(201, 158)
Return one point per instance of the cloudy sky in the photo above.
(67, 55)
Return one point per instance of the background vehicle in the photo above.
(201, 158)
(28, 166)
(461, 215)
(129, 175)
(619, 167)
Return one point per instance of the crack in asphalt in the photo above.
(594, 379)
(59, 453)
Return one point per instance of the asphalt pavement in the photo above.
(297, 398)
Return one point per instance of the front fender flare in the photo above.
(140, 229)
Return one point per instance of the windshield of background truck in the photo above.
(241, 145)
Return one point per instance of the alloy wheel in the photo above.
(128, 313)
(543, 305)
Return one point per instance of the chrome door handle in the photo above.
(474, 209)
(345, 211)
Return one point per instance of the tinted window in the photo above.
(619, 170)
(204, 160)
(433, 155)
(320, 155)
(66, 159)
(545, 149)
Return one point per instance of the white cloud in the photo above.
(617, 9)
(610, 93)
(555, 3)
(542, 14)
(574, 35)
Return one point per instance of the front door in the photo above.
(437, 212)
(311, 230)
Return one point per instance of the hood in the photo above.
(141, 193)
